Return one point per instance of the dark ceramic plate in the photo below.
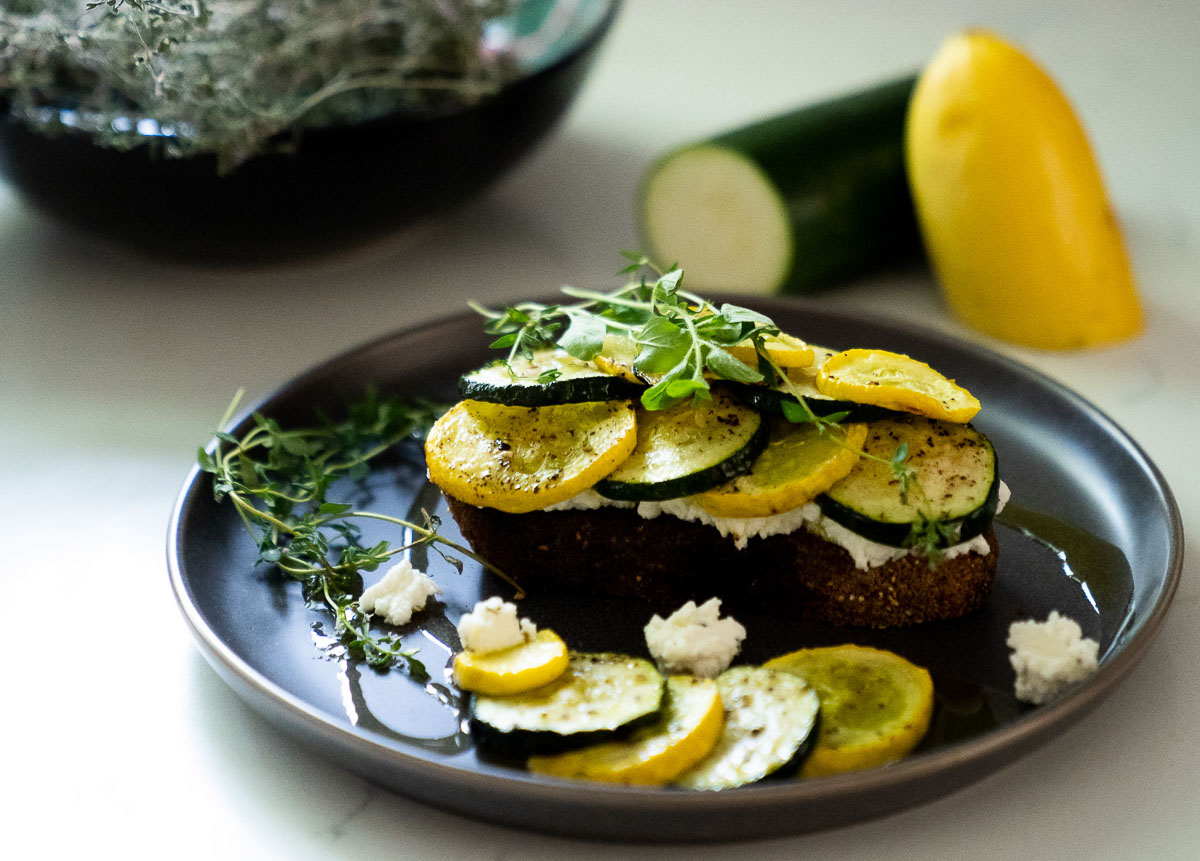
(1092, 531)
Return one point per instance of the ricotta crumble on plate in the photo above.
(1049, 657)
(695, 639)
(402, 592)
(493, 625)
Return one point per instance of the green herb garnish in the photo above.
(680, 334)
(929, 536)
(279, 481)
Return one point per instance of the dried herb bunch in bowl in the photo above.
(228, 130)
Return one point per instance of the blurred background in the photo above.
(86, 322)
(114, 367)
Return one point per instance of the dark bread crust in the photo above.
(666, 561)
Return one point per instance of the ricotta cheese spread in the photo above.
(866, 554)
(739, 529)
(695, 639)
(588, 500)
(1049, 657)
(402, 591)
(493, 625)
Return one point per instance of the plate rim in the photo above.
(452, 787)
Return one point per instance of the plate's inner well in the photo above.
(1091, 531)
(1045, 565)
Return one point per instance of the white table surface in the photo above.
(113, 369)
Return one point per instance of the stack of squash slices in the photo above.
(570, 436)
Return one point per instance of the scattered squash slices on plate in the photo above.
(513, 670)
(875, 705)
(895, 381)
(656, 754)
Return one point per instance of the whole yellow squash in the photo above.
(1011, 203)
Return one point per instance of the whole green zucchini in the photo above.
(794, 203)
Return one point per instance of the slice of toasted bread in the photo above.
(667, 561)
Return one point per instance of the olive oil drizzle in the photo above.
(360, 714)
(1098, 566)
(965, 709)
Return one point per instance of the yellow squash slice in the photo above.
(875, 705)
(798, 464)
(521, 459)
(897, 382)
(801, 382)
(656, 754)
(787, 351)
(514, 670)
(820, 357)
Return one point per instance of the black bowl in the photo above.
(340, 185)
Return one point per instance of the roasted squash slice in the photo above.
(875, 705)
(521, 459)
(786, 351)
(770, 717)
(514, 670)
(798, 463)
(897, 382)
(655, 754)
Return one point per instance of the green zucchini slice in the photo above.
(770, 400)
(550, 377)
(599, 697)
(957, 483)
(688, 449)
(770, 718)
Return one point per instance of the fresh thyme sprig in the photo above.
(279, 480)
(930, 536)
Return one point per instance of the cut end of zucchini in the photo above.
(715, 210)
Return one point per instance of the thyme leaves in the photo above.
(281, 482)
(236, 77)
